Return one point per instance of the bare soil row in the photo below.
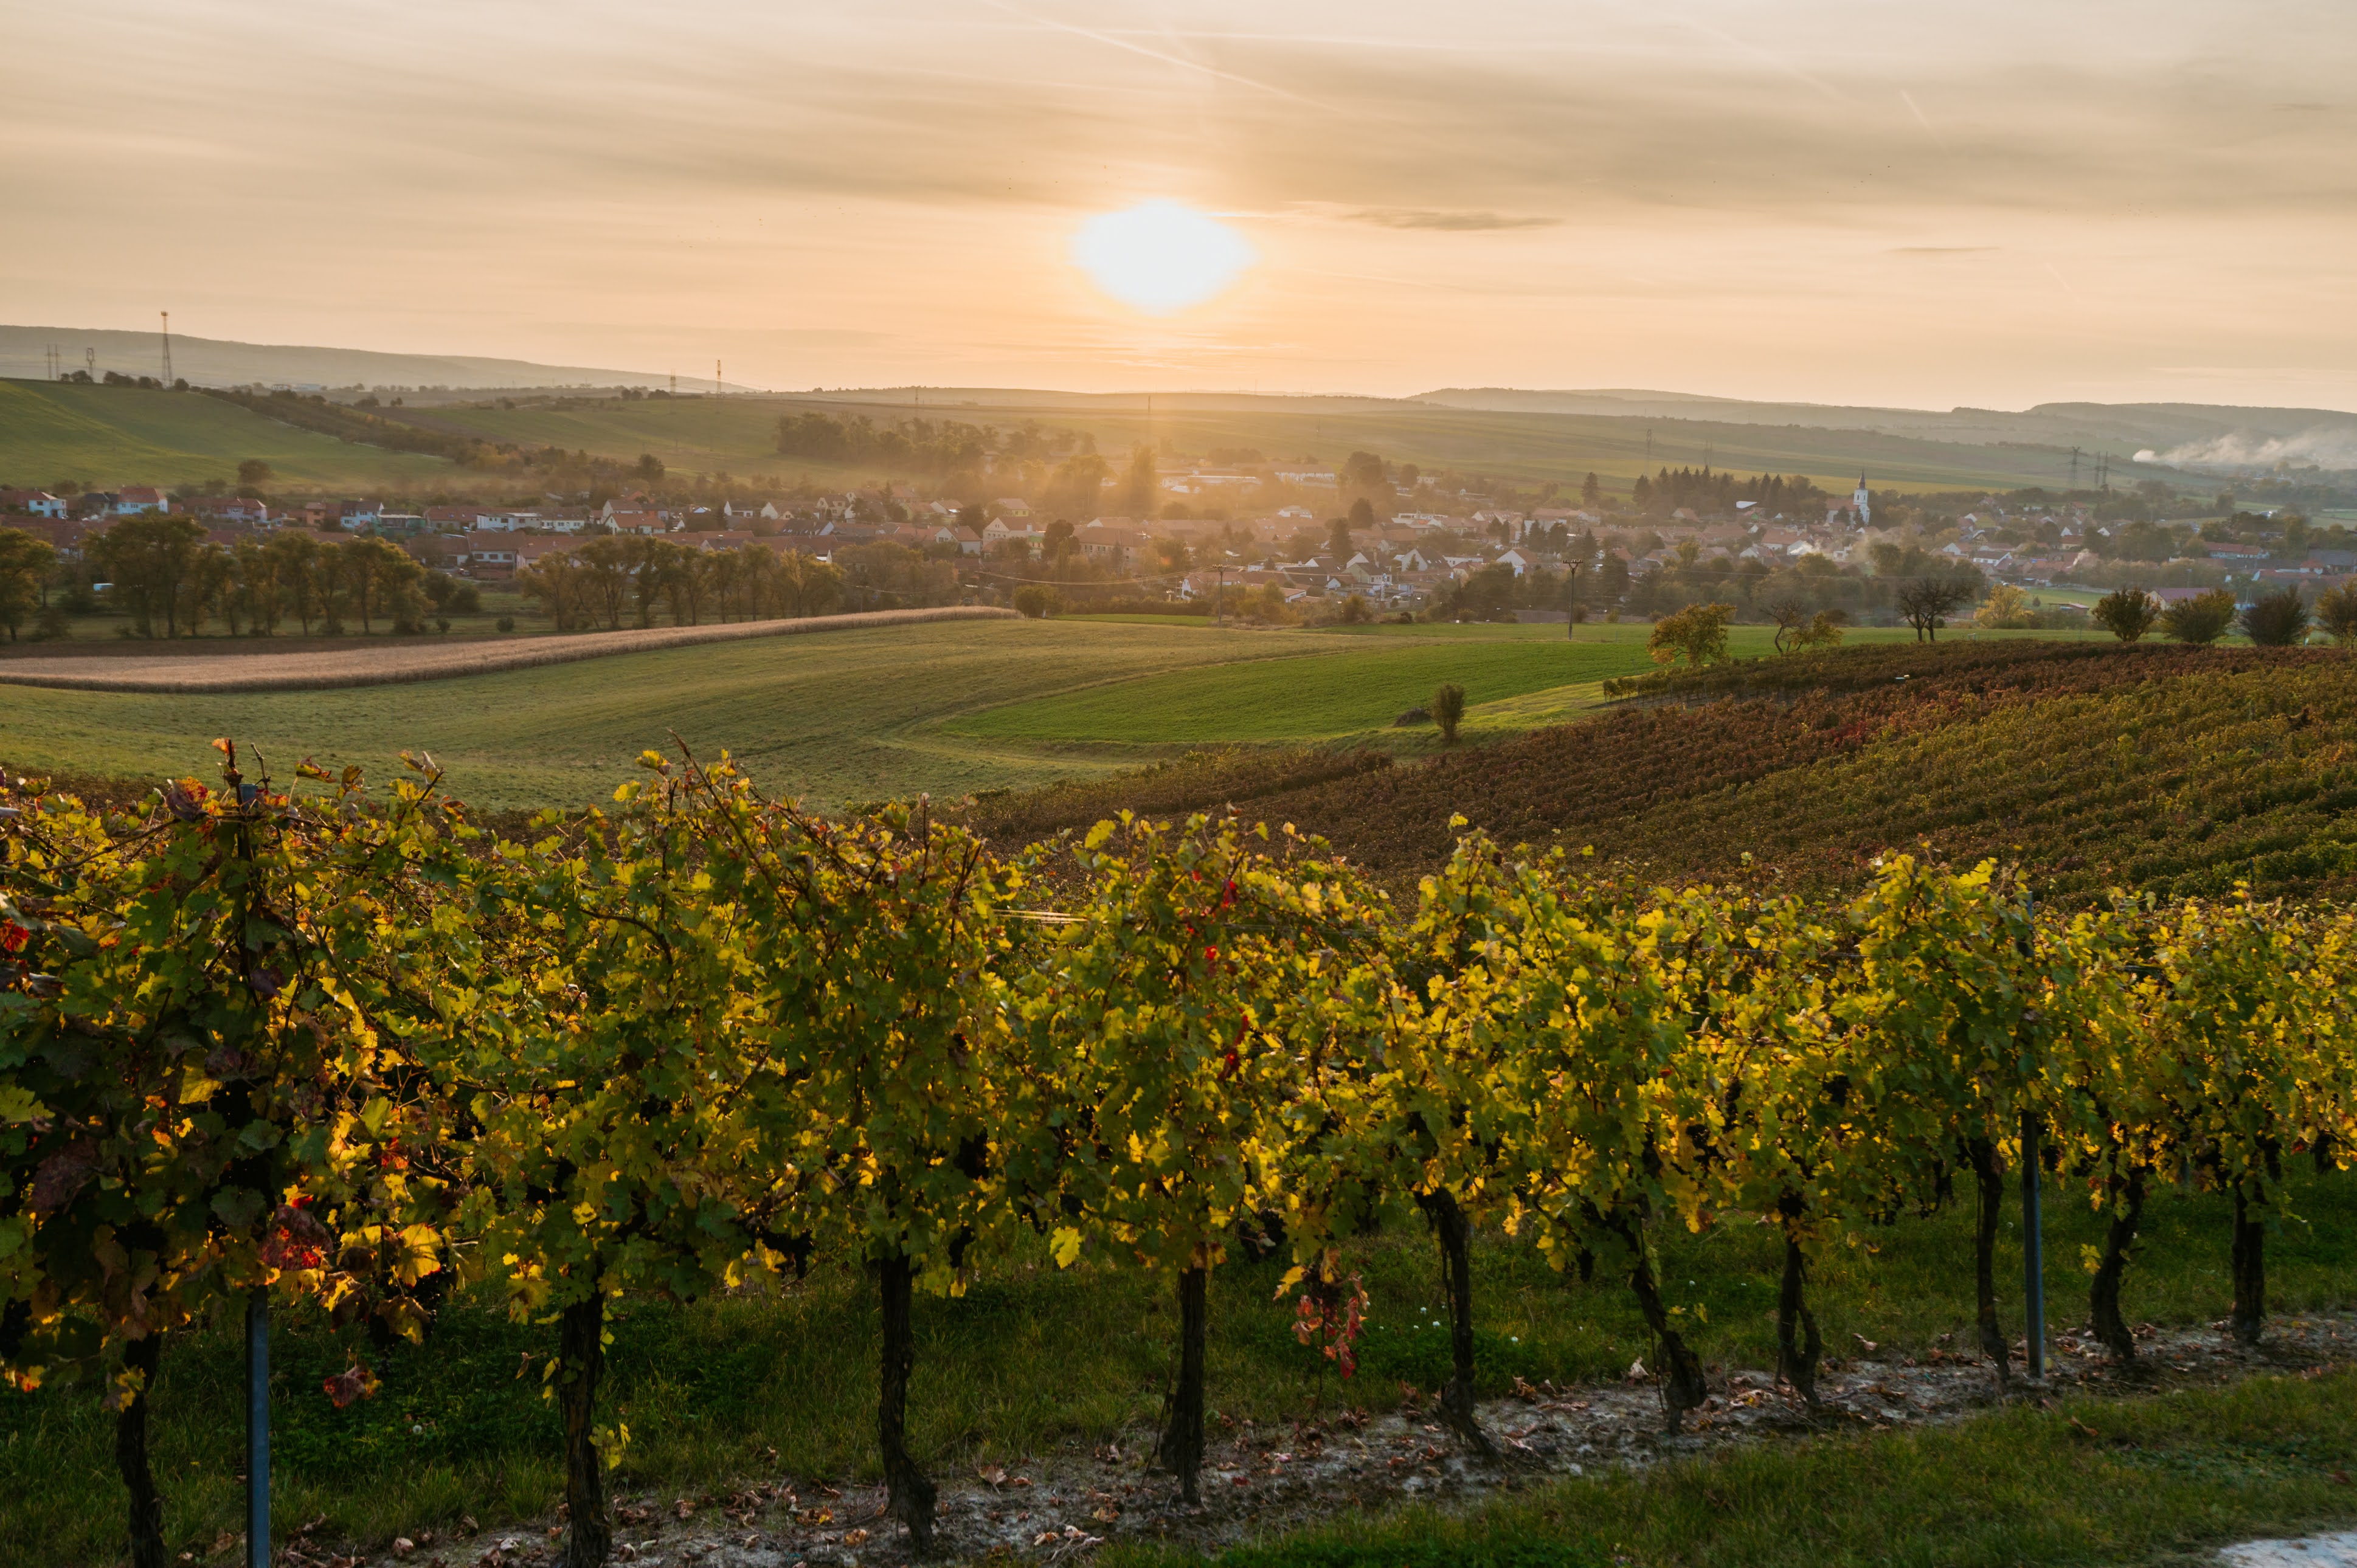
(380, 664)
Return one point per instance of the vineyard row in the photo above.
(356, 1052)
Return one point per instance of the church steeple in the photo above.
(1862, 503)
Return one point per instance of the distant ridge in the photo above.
(215, 361)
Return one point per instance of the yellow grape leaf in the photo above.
(1065, 1246)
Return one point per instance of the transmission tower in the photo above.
(167, 350)
(2074, 468)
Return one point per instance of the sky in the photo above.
(1924, 203)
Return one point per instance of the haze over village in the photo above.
(1179, 784)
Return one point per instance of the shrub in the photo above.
(2006, 608)
(2336, 612)
(1696, 633)
(2127, 612)
(1035, 602)
(2279, 620)
(1449, 711)
(1355, 611)
(507, 623)
(2200, 620)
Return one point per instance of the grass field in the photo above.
(738, 435)
(51, 432)
(855, 715)
(1032, 1358)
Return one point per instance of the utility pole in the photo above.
(1220, 598)
(715, 378)
(2074, 468)
(167, 350)
(1571, 605)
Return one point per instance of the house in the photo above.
(1012, 506)
(1517, 560)
(65, 535)
(969, 543)
(34, 503)
(238, 510)
(137, 498)
(636, 522)
(490, 552)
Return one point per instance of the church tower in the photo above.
(1862, 503)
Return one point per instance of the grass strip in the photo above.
(2138, 1480)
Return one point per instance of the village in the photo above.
(1402, 546)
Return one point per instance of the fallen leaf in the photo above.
(402, 1546)
(854, 1537)
(992, 1474)
(1868, 1346)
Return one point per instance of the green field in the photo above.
(861, 714)
(53, 432)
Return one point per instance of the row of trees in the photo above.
(356, 1052)
(2279, 620)
(612, 579)
(172, 581)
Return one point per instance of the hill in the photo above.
(58, 433)
(2176, 432)
(2171, 769)
(222, 362)
(738, 435)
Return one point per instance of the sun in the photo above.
(1160, 256)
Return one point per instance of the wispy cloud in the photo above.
(1445, 220)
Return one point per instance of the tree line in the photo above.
(172, 581)
(357, 1051)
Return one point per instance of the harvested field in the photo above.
(423, 661)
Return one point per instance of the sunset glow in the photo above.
(1161, 257)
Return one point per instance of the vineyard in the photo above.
(313, 1050)
(2175, 771)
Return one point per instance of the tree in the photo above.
(1362, 515)
(153, 562)
(2279, 620)
(2202, 620)
(1696, 634)
(1927, 602)
(2336, 612)
(1037, 601)
(1591, 492)
(1140, 487)
(254, 471)
(1355, 611)
(378, 580)
(1797, 630)
(295, 565)
(2006, 608)
(24, 563)
(1448, 710)
(650, 468)
(2127, 612)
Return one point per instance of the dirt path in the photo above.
(422, 659)
(1261, 1480)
